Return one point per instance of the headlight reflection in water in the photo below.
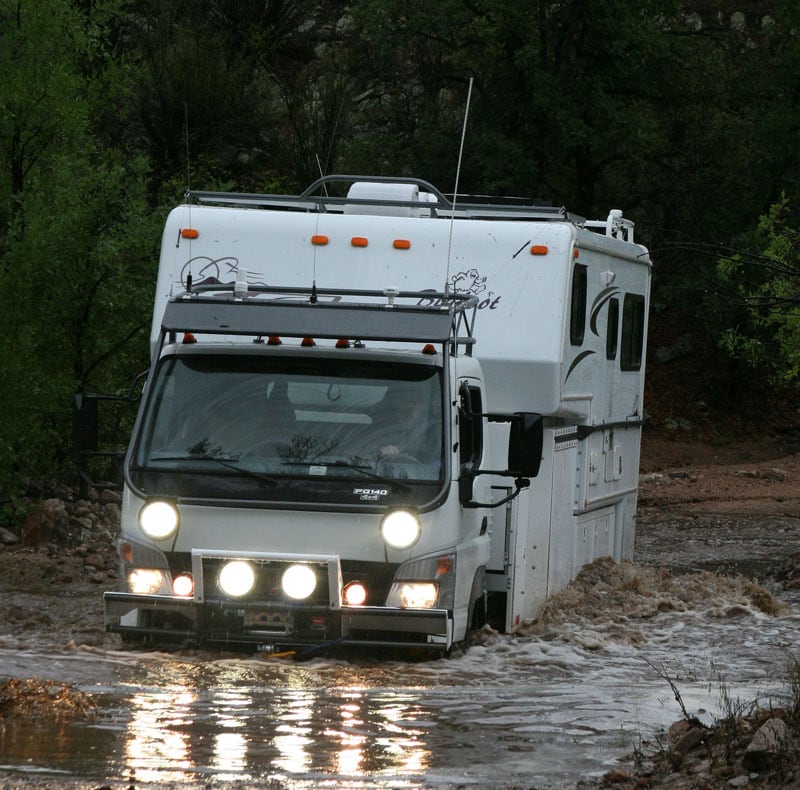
(253, 723)
(157, 746)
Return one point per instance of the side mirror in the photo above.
(525, 443)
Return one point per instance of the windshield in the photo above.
(269, 420)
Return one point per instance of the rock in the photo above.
(58, 506)
(108, 496)
(739, 781)
(94, 561)
(769, 741)
(616, 776)
(38, 526)
(7, 537)
(690, 740)
(680, 475)
(779, 475)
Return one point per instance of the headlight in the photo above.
(145, 581)
(236, 578)
(158, 519)
(298, 581)
(417, 595)
(400, 529)
(424, 583)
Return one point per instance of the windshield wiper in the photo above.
(227, 463)
(392, 481)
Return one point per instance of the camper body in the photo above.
(379, 419)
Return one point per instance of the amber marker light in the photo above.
(539, 249)
(308, 342)
(429, 348)
(401, 244)
(189, 233)
(359, 241)
(319, 240)
(342, 342)
(189, 338)
(274, 340)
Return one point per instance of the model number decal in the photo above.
(370, 494)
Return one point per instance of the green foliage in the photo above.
(766, 280)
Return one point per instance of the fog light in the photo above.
(145, 581)
(158, 520)
(414, 595)
(298, 581)
(236, 578)
(183, 585)
(400, 529)
(354, 594)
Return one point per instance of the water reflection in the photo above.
(246, 730)
(293, 737)
(157, 744)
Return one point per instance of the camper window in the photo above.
(612, 329)
(632, 332)
(577, 315)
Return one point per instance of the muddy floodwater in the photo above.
(561, 704)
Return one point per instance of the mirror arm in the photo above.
(519, 484)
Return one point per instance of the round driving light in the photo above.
(355, 594)
(400, 529)
(236, 578)
(298, 581)
(158, 520)
(183, 585)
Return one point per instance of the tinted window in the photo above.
(470, 428)
(612, 329)
(577, 314)
(632, 332)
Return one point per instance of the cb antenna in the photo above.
(188, 160)
(455, 188)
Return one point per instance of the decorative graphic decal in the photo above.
(600, 300)
(576, 361)
(469, 281)
(215, 271)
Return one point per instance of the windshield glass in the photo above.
(277, 417)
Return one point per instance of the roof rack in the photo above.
(323, 313)
(436, 204)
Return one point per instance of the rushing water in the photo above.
(561, 704)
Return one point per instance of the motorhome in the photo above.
(379, 417)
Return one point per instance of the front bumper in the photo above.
(269, 622)
(165, 618)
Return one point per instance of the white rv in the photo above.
(377, 418)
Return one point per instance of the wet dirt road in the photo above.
(551, 708)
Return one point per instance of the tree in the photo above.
(76, 281)
(41, 107)
(764, 280)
